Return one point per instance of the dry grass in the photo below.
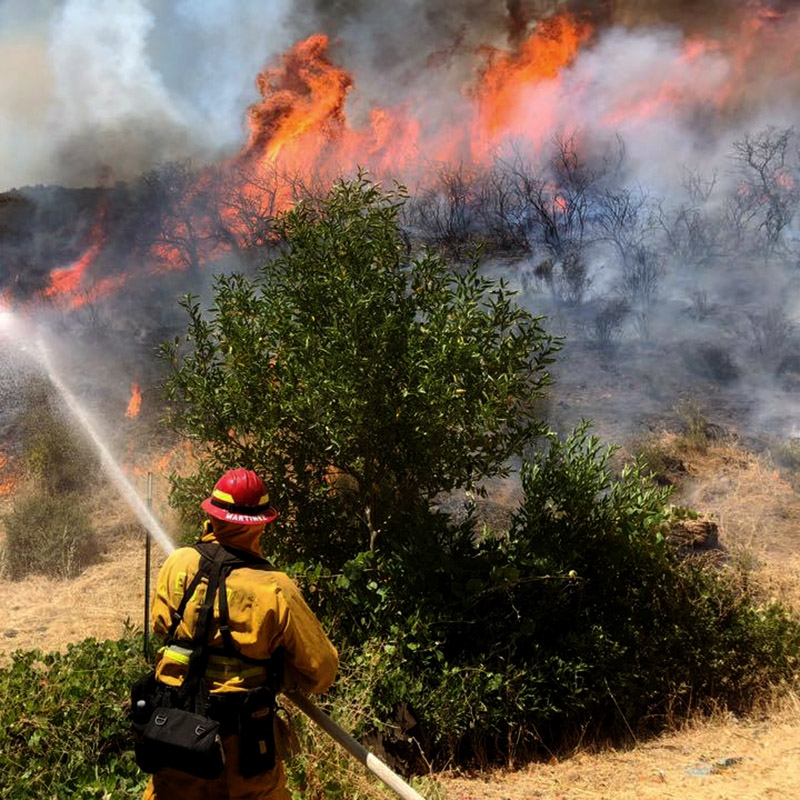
(759, 517)
(758, 512)
(760, 753)
(48, 613)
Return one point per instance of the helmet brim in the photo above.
(263, 518)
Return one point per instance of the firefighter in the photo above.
(267, 619)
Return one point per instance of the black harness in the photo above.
(216, 564)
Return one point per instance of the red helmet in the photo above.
(240, 497)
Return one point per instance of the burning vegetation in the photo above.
(135, 403)
(490, 155)
(635, 184)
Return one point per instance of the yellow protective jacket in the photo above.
(266, 612)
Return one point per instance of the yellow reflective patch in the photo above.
(264, 500)
(176, 655)
(224, 496)
(180, 582)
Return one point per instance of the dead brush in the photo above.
(697, 433)
(663, 456)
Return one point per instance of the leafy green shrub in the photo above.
(581, 620)
(48, 534)
(64, 733)
(63, 728)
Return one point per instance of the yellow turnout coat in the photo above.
(266, 612)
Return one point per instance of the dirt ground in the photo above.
(758, 512)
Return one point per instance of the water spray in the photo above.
(155, 531)
(112, 468)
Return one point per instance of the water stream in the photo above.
(19, 331)
(153, 527)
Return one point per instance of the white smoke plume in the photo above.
(89, 85)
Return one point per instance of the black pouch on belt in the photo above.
(257, 732)
(178, 733)
(181, 740)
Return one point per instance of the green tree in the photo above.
(360, 381)
(363, 382)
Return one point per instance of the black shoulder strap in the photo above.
(198, 660)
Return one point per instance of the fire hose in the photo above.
(357, 750)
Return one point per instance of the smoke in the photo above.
(110, 104)
(87, 86)
(126, 84)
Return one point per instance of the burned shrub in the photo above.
(785, 453)
(771, 335)
(608, 323)
(641, 273)
(765, 203)
(571, 276)
(502, 212)
(445, 215)
(701, 305)
(692, 535)
(713, 361)
(788, 372)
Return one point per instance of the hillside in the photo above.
(757, 510)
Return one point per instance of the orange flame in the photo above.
(502, 90)
(7, 484)
(300, 120)
(303, 101)
(66, 281)
(175, 459)
(70, 285)
(135, 403)
(299, 128)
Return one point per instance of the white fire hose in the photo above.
(357, 750)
